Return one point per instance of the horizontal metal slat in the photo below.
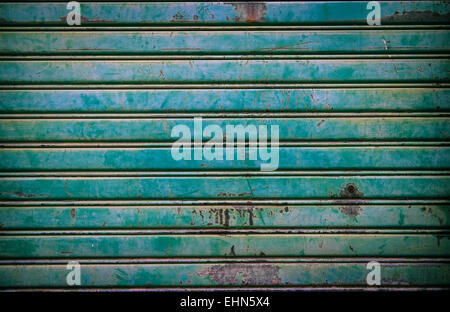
(225, 101)
(271, 245)
(344, 216)
(159, 129)
(227, 274)
(213, 71)
(224, 42)
(160, 159)
(185, 188)
(204, 13)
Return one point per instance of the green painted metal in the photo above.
(207, 245)
(225, 274)
(219, 71)
(185, 13)
(217, 187)
(345, 216)
(160, 159)
(86, 173)
(226, 100)
(224, 42)
(159, 129)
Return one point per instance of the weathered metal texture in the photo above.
(347, 216)
(220, 187)
(227, 100)
(85, 133)
(233, 13)
(160, 159)
(224, 42)
(207, 245)
(223, 71)
(159, 129)
(228, 274)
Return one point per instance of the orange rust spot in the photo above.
(250, 12)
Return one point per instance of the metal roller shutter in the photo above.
(87, 171)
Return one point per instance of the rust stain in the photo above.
(139, 216)
(351, 211)
(439, 237)
(242, 210)
(24, 195)
(227, 218)
(177, 17)
(416, 16)
(351, 191)
(72, 213)
(229, 194)
(250, 12)
(243, 274)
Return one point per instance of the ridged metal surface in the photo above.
(86, 171)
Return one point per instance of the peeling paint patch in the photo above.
(250, 12)
(72, 213)
(242, 274)
(415, 17)
(351, 211)
(243, 210)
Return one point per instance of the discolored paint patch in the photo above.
(415, 17)
(72, 213)
(250, 12)
(84, 19)
(232, 253)
(243, 210)
(243, 274)
(351, 211)
(439, 237)
(227, 218)
(177, 17)
(229, 194)
(21, 194)
(432, 212)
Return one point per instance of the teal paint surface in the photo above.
(218, 71)
(278, 187)
(223, 274)
(160, 159)
(101, 246)
(300, 13)
(364, 161)
(159, 129)
(226, 100)
(225, 42)
(238, 216)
